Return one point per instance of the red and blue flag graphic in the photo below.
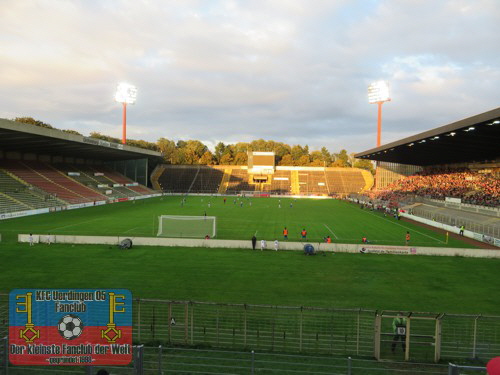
(70, 327)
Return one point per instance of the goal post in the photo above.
(187, 226)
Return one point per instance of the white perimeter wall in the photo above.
(235, 244)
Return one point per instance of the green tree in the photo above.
(317, 155)
(364, 164)
(167, 149)
(226, 159)
(207, 158)
(304, 160)
(70, 131)
(196, 147)
(107, 138)
(327, 157)
(342, 159)
(181, 144)
(317, 163)
(241, 158)
(220, 148)
(241, 147)
(298, 151)
(32, 121)
(287, 160)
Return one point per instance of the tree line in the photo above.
(195, 152)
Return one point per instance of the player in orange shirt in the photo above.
(407, 238)
(303, 233)
(285, 233)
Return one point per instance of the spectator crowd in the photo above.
(471, 187)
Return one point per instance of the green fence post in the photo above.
(300, 329)
(160, 371)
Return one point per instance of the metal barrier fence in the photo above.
(272, 328)
(167, 360)
(462, 370)
(449, 219)
(488, 229)
(339, 332)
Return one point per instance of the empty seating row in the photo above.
(205, 179)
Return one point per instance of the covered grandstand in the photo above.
(448, 175)
(44, 169)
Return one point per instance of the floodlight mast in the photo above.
(125, 93)
(378, 92)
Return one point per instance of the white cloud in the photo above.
(291, 70)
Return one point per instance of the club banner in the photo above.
(79, 327)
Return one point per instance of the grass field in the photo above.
(449, 284)
(342, 221)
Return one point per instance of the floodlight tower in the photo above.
(126, 94)
(378, 92)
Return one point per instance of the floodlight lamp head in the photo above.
(126, 93)
(378, 92)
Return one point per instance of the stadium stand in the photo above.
(447, 175)
(28, 185)
(50, 180)
(207, 180)
(470, 187)
(24, 196)
(283, 180)
(238, 181)
(176, 179)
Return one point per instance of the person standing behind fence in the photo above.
(462, 228)
(254, 242)
(31, 239)
(399, 329)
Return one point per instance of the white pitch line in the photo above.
(131, 229)
(413, 230)
(72, 225)
(331, 231)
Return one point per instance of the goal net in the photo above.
(187, 226)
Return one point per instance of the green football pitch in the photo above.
(237, 218)
(413, 283)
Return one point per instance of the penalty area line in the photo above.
(331, 231)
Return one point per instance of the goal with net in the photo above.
(187, 226)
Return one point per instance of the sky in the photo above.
(292, 71)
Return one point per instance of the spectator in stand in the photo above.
(471, 187)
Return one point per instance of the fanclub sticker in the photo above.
(70, 327)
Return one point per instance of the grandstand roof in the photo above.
(474, 139)
(26, 138)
